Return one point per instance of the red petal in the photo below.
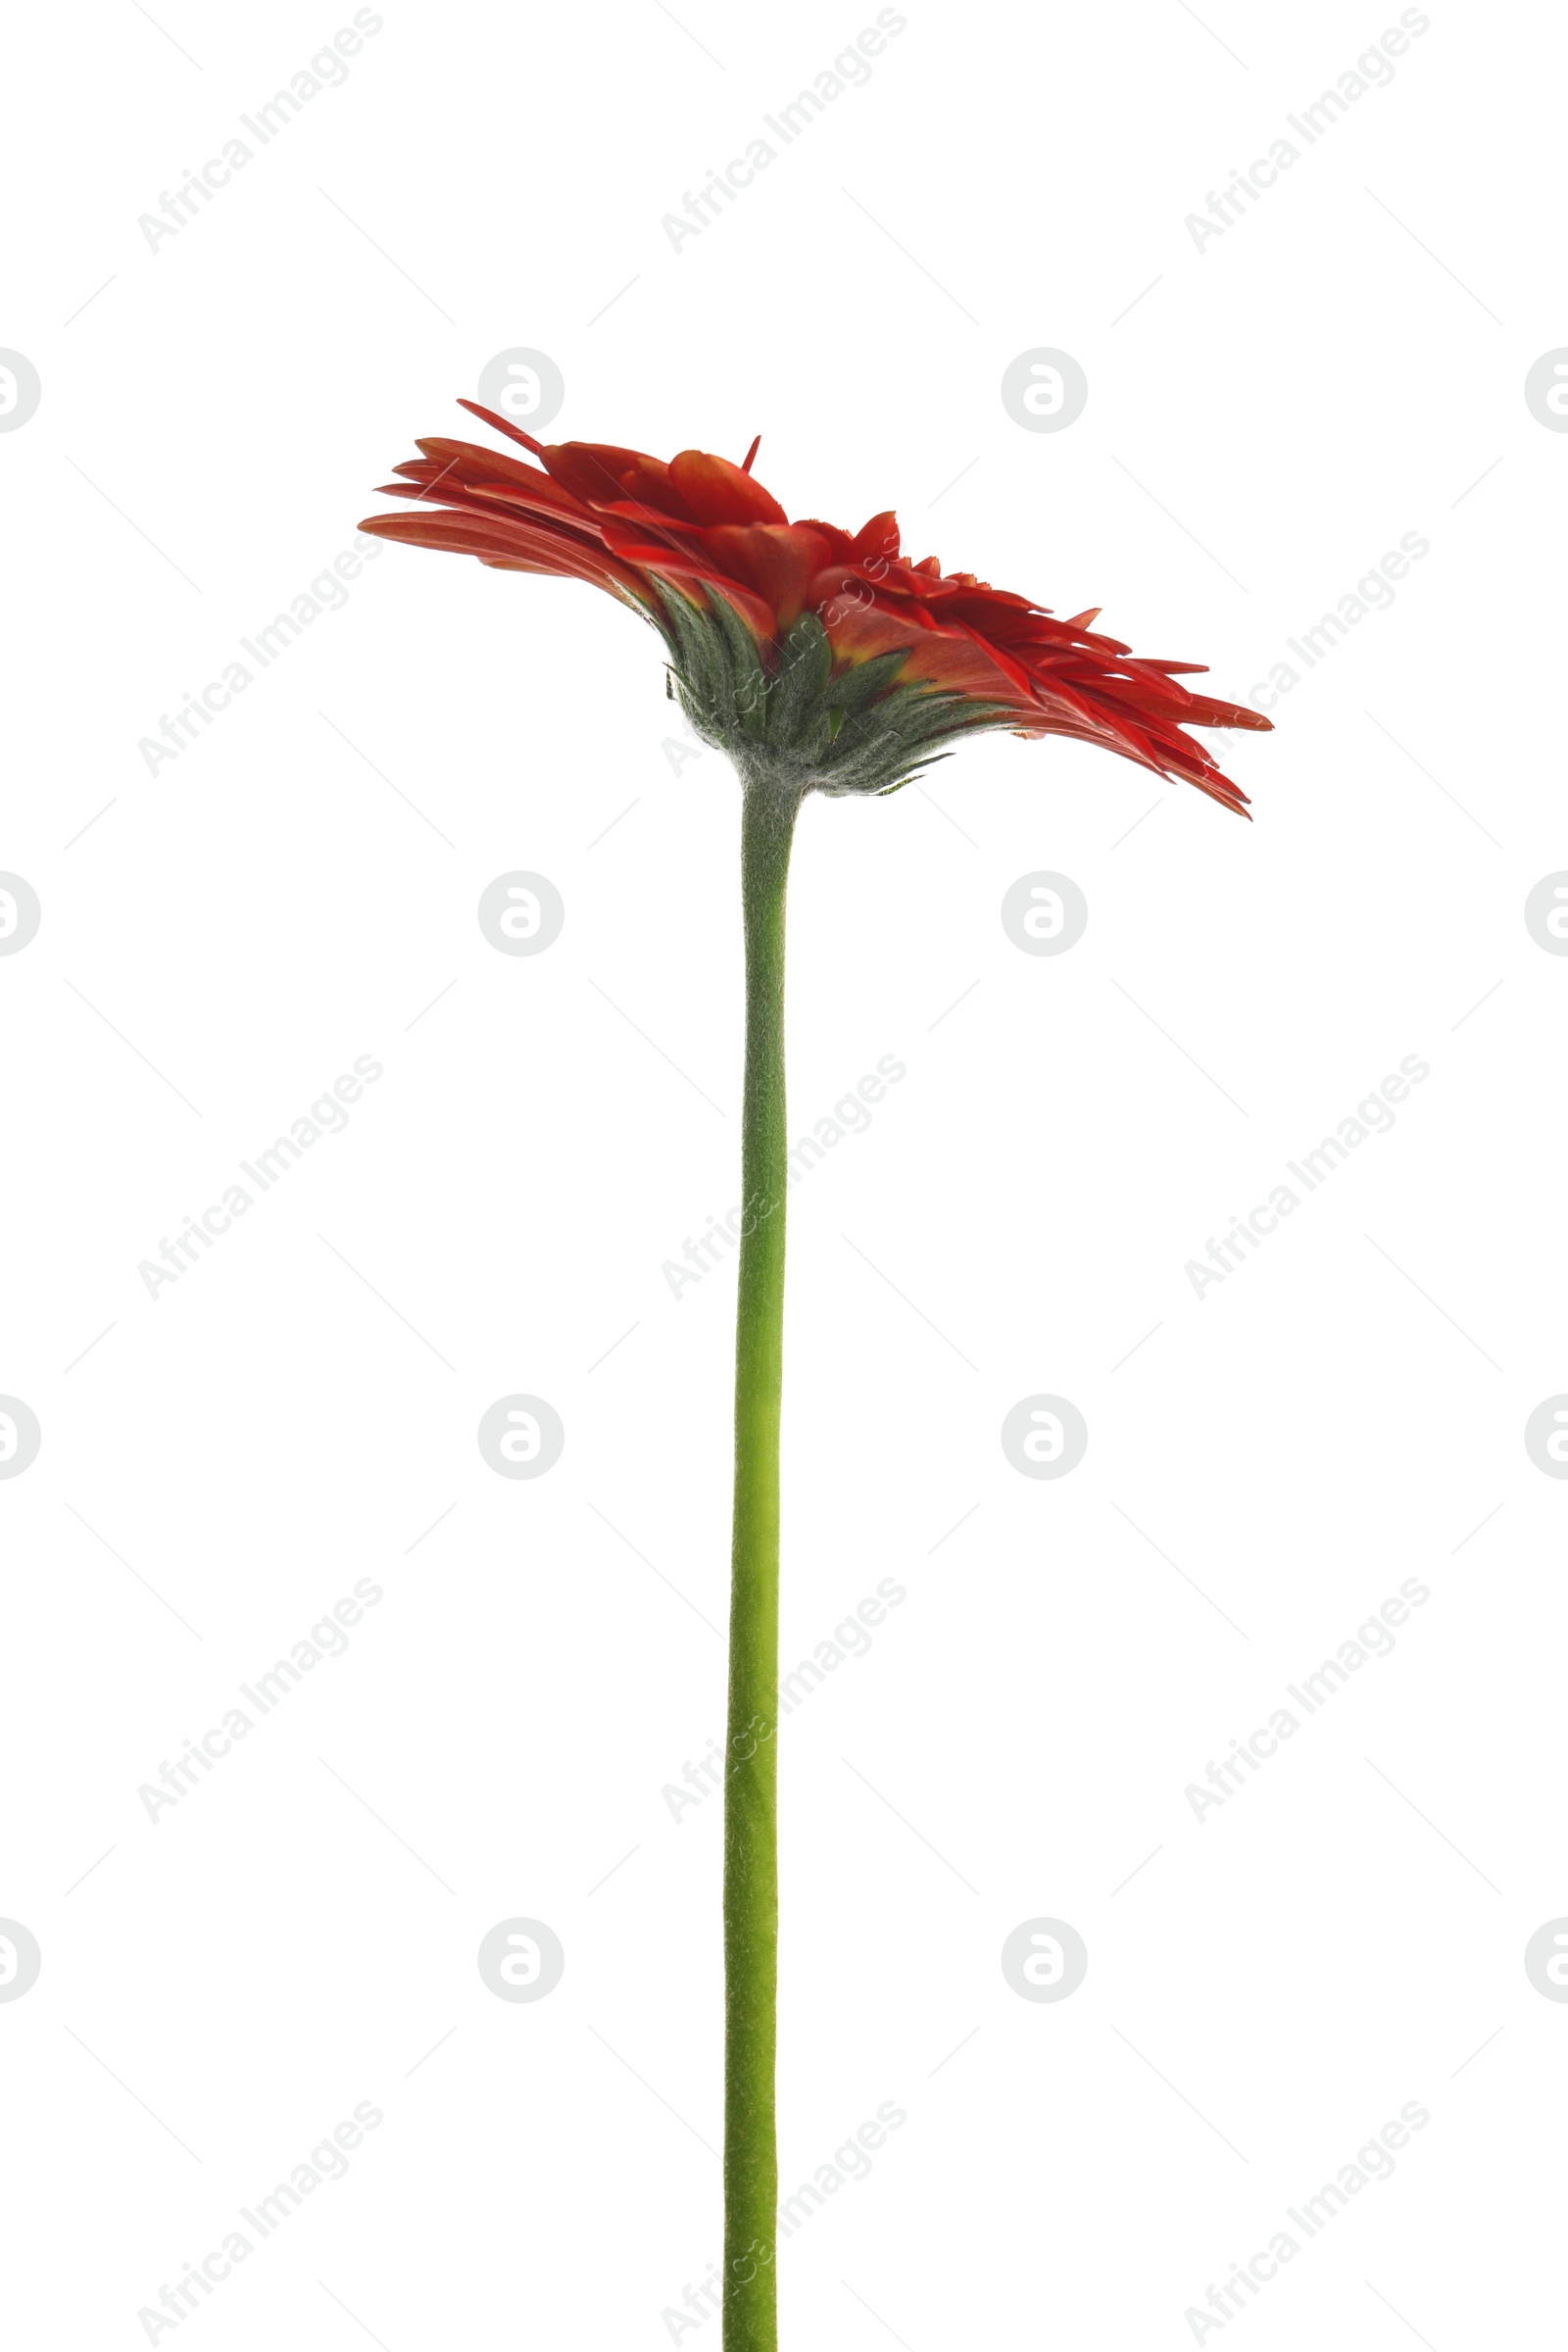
(451, 468)
(778, 559)
(512, 432)
(958, 663)
(841, 547)
(502, 538)
(691, 559)
(878, 537)
(649, 484)
(593, 471)
(716, 491)
(1205, 711)
(471, 460)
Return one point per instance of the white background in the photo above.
(1266, 415)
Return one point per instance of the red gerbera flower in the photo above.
(822, 658)
(820, 662)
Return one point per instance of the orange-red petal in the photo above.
(779, 560)
(715, 491)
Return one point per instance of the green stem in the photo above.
(751, 1789)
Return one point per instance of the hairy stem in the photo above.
(751, 1789)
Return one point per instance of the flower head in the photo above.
(823, 658)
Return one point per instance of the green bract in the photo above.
(797, 725)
